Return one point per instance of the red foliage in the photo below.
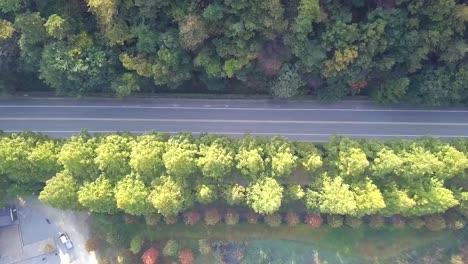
(150, 256)
(252, 217)
(314, 221)
(186, 256)
(358, 86)
(191, 217)
(212, 216)
(292, 219)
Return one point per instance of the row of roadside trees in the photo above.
(157, 173)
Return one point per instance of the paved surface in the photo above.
(299, 120)
(25, 241)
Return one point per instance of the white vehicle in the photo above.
(65, 239)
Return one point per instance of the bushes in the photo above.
(171, 219)
(398, 221)
(150, 256)
(136, 243)
(376, 221)
(152, 219)
(353, 222)
(212, 216)
(416, 222)
(171, 248)
(204, 246)
(92, 244)
(252, 217)
(191, 217)
(454, 221)
(273, 220)
(186, 256)
(314, 221)
(335, 221)
(435, 222)
(231, 217)
(292, 219)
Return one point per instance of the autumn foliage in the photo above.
(150, 256)
(314, 221)
(186, 256)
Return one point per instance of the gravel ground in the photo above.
(74, 223)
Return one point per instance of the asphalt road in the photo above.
(298, 120)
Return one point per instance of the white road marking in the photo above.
(235, 108)
(225, 121)
(236, 133)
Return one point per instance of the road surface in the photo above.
(298, 120)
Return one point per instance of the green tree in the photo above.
(392, 91)
(14, 162)
(313, 162)
(455, 163)
(335, 197)
(57, 27)
(294, 192)
(419, 162)
(98, 196)
(125, 85)
(281, 157)
(352, 162)
(146, 157)
(131, 195)
(43, 158)
(215, 161)
(250, 162)
(168, 196)
(397, 201)
(369, 199)
(10, 5)
(206, 193)
(264, 195)
(234, 194)
(113, 155)
(180, 157)
(77, 158)
(6, 29)
(288, 83)
(61, 192)
(77, 66)
(387, 162)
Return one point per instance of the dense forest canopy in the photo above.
(393, 50)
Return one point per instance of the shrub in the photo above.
(212, 216)
(252, 217)
(314, 221)
(124, 256)
(231, 217)
(416, 222)
(150, 256)
(456, 259)
(454, 221)
(171, 219)
(234, 194)
(92, 244)
(204, 245)
(130, 219)
(273, 220)
(353, 222)
(435, 222)
(171, 248)
(292, 219)
(186, 256)
(136, 243)
(397, 221)
(335, 221)
(191, 217)
(376, 221)
(152, 219)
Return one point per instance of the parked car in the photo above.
(65, 239)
